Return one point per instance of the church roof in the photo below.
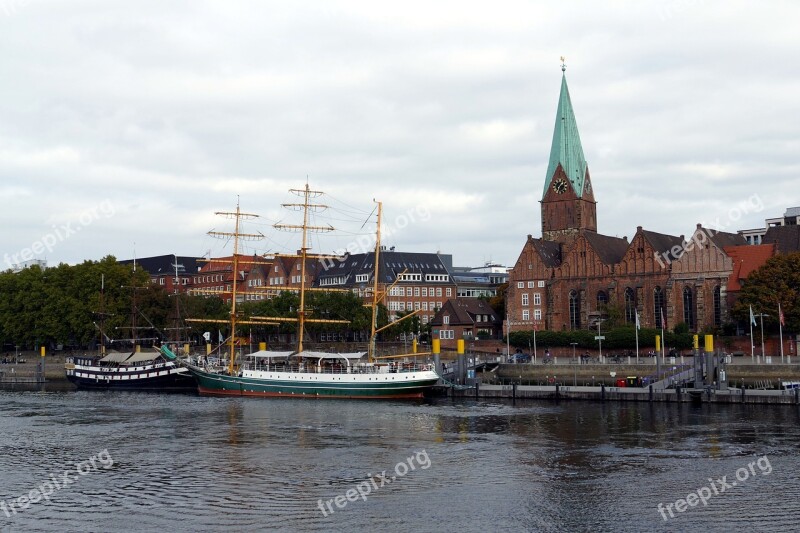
(566, 149)
(549, 252)
(609, 249)
(661, 242)
(723, 239)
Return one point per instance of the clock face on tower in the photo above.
(560, 186)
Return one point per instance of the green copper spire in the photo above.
(566, 149)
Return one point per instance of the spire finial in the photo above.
(563, 65)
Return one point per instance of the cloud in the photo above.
(173, 110)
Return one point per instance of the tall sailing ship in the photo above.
(309, 374)
(126, 370)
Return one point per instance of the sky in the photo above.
(124, 126)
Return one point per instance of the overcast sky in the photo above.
(132, 122)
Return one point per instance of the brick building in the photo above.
(215, 277)
(415, 281)
(465, 318)
(571, 276)
(173, 272)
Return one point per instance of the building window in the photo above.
(525, 298)
(520, 284)
(574, 310)
(446, 319)
(658, 306)
(424, 291)
(630, 306)
(717, 306)
(526, 315)
(537, 314)
(446, 334)
(438, 291)
(602, 299)
(537, 298)
(531, 284)
(541, 284)
(448, 292)
(416, 291)
(688, 307)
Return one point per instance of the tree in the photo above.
(498, 303)
(776, 281)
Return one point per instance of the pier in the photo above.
(637, 394)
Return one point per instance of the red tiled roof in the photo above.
(746, 259)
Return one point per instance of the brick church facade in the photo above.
(570, 277)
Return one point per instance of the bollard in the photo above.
(557, 392)
(742, 393)
(678, 393)
(436, 348)
(477, 386)
(514, 391)
(651, 392)
(602, 392)
(462, 361)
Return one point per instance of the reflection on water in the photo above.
(186, 463)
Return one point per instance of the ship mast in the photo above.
(374, 322)
(237, 216)
(306, 193)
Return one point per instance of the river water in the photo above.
(152, 462)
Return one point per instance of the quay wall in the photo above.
(739, 374)
(640, 394)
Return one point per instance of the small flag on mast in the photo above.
(780, 314)
(638, 326)
(752, 317)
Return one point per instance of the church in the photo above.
(573, 275)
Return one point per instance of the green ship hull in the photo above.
(309, 385)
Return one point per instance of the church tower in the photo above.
(568, 204)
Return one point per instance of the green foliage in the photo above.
(614, 315)
(777, 281)
(319, 305)
(63, 304)
(498, 303)
(681, 328)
